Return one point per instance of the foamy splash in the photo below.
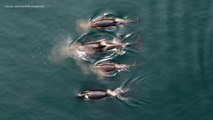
(60, 51)
(67, 48)
(83, 25)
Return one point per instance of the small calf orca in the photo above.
(105, 66)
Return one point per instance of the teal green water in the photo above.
(177, 61)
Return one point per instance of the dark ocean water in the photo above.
(177, 61)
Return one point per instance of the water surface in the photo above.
(176, 61)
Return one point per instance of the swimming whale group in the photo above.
(104, 67)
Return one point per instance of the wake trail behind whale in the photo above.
(127, 87)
